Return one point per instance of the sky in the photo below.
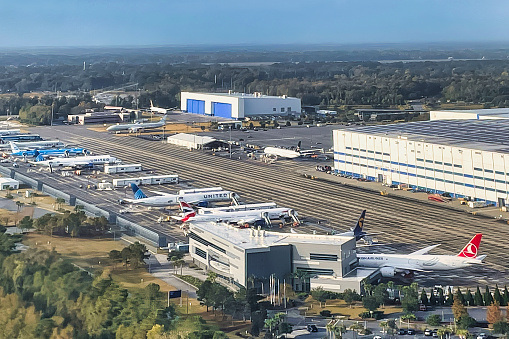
(57, 23)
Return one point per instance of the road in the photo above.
(406, 225)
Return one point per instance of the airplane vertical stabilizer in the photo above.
(472, 248)
(138, 193)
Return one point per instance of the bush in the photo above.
(376, 315)
(192, 280)
(325, 313)
(434, 320)
(302, 295)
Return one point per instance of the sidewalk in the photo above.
(421, 197)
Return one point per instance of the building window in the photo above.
(274, 109)
(318, 256)
(282, 109)
(200, 252)
(288, 109)
(315, 271)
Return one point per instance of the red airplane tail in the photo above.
(472, 248)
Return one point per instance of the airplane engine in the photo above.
(66, 154)
(388, 272)
(85, 152)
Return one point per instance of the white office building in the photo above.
(238, 105)
(466, 158)
(238, 254)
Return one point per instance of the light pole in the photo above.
(230, 141)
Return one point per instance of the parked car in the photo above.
(377, 337)
(482, 336)
(410, 331)
(401, 331)
(312, 328)
(428, 332)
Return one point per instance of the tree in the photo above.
(371, 303)
(59, 202)
(424, 297)
(497, 296)
(488, 298)
(434, 320)
(381, 294)
(115, 256)
(501, 327)
(493, 313)
(478, 299)
(469, 298)
(458, 309)
(466, 322)
(26, 223)
(506, 296)
(450, 297)
(460, 296)
(410, 302)
(319, 295)
(350, 296)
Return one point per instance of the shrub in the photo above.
(325, 313)
(376, 315)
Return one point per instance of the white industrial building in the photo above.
(193, 141)
(238, 105)
(8, 183)
(237, 254)
(475, 114)
(466, 158)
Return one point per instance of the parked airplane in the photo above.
(137, 127)
(17, 152)
(406, 264)
(195, 196)
(39, 144)
(244, 218)
(85, 161)
(157, 109)
(282, 152)
(235, 208)
(10, 131)
(357, 231)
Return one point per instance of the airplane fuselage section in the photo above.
(416, 262)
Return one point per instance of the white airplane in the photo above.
(196, 196)
(30, 145)
(10, 131)
(157, 109)
(406, 264)
(137, 127)
(282, 152)
(235, 208)
(84, 161)
(244, 218)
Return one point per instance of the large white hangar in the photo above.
(466, 158)
(477, 114)
(238, 105)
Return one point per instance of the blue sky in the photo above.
(27, 23)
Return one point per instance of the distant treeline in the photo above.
(328, 84)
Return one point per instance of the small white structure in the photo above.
(105, 186)
(191, 141)
(124, 168)
(475, 114)
(233, 105)
(6, 183)
(150, 180)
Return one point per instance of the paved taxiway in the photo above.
(406, 225)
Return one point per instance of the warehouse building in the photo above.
(236, 255)
(466, 158)
(193, 141)
(476, 114)
(238, 105)
(8, 183)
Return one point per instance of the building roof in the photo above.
(8, 180)
(193, 138)
(248, 238)
(246, 95)
(490, 111)
(485, 135)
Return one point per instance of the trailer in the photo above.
(124, 168)
(150, 180)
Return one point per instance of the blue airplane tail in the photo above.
(36, 154)
(39, 157)
(138, 193)
(357, 231)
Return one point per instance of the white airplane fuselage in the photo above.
(172, 199)
(410, 262)
(281, 152)
(235, 208)
(78, 161)
(244, 216)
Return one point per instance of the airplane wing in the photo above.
(425, 250)
(161, 193)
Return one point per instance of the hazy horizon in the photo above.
(195, 23)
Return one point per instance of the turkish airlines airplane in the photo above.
(406, 264)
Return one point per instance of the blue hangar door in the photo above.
(220, 109)
(196, 106)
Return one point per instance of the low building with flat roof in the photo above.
(240, 255)
(475, 114)
(465, 158)
(8, 183)
(238, 106)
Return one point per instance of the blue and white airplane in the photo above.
(17, 152)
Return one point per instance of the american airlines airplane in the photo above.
(406, 264)
(137, 127)
(195, 196)
(242, 217)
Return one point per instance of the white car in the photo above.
(377, 337)
(482, 336)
